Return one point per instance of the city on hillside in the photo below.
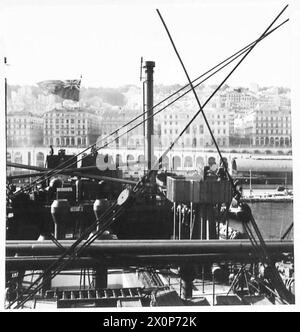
(243, 117)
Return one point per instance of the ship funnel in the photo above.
(149, 65)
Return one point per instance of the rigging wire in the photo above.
(45, 277)
(70, 250)
(275, 276)
(276, 279)
(95, 236)
(219, 86)
(66, 163)
(136, 189)
(288, 231)
(49, 275)
(260, 250)
(75, 254)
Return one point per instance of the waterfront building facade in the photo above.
(269, 127)
(114, 118)
(171, 122)
(70, 127)
(24, 129)
(239, 118)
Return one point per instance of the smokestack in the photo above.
(149, 65)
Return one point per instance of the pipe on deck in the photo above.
(147, 247)
(121, 261)
(67, 169)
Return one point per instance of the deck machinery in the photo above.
(182, 241)
(157, 241)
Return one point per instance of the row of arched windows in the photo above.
(175, 163)
(273, 141)
(66, 141)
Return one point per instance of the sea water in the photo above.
(273, 218)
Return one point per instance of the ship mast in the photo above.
(5, 107)
(5, 88)
(149, 65)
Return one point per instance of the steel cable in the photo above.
(275, 275)
(233, 57)
(95, 236)
(49, 274)
(104, 225)
(219, 86)
(72, 248)
(201, 109)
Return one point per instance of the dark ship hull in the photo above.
(90, 220)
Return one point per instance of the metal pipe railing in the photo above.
(147, 247)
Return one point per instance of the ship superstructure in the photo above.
(81, 235)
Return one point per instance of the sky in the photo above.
(104, 40)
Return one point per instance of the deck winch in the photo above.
(195, 202)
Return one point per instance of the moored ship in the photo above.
(82, 235)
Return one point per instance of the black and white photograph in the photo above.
(149, 155)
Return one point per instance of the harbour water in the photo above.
(273, 218)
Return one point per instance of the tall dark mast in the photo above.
(5, 109)
(149, 65)
(5, 89)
